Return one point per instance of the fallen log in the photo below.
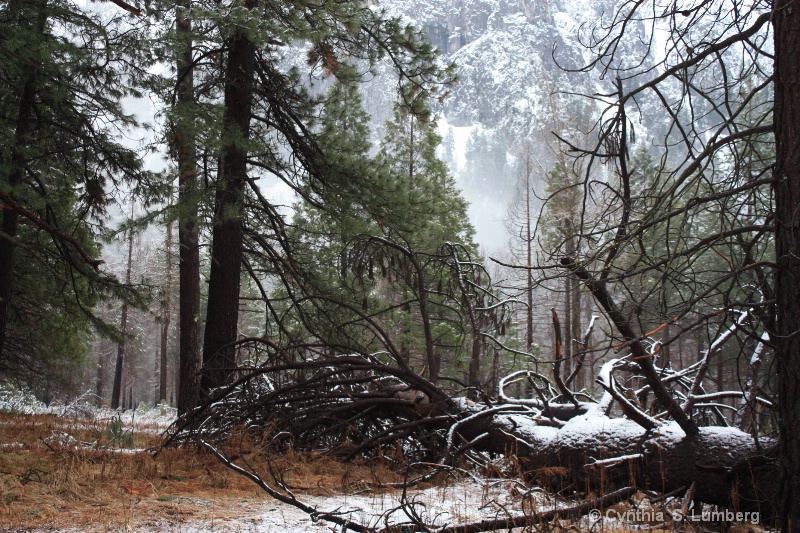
(592, 453)
(577, 449)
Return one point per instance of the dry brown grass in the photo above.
(78, 481)
(58, 483)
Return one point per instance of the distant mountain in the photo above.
(507, 94)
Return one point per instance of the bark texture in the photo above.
(165, 320)
(727, 466)
(787, 241)
(116, 391)
(219, 354)
(190, 361)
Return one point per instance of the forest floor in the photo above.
(99, 474)
(66, 473)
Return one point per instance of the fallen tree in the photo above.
(650, 427)
(366, 406)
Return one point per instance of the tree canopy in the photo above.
(65, 72)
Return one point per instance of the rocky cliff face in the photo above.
(505, 50)
(517, 61)
(518, 64)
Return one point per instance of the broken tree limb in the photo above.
(562, 388)
(607, 381)
(743, 414)
(640, 355)
(706, 360)
(581, 357)
(573, 511)
(589, 453)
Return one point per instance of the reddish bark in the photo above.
(787, 242)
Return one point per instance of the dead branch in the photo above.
(579, 360)
(744, 413)
(606, 380)
(640, 355)
(572, 512)
(562, 388)
(127, 7)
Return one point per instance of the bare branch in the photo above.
(640, 355)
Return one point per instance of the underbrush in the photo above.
(102, 475)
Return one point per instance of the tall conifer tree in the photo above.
(269, 127)
(64, 69)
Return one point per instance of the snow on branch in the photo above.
(609, 384)
(751, 387)
(715, 346)
(615, 461)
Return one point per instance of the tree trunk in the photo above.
(101, 371)
(123, 328)
(99, 384)
(570, 302)
(528, 254)
(219, 354)
(597, 453)
(473, 378)
(434, 358)
(189, 361)
(787, 241)
(165, 321)
(578, 352)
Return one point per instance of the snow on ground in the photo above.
(142, 419)
(461, 502)
(446, 505)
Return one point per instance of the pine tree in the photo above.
(436, 215)
(435, 211)
(63, 72)
(185, 135)
(521, 224)
(269, 127)
(378, 245)
(219, 353)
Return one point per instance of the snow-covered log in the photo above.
(568, 448)
(593, 452)
(648, 431)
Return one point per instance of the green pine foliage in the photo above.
(64, 71)
(66, 68)
(371, 243)
(434, 211)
